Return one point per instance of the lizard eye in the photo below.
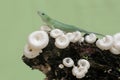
(43, 14)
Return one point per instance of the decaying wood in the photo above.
(104, 64)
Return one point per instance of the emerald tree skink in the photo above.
(52, 23)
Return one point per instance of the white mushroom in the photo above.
(105, 43)
(45, 28)
(38, 39)
(62, 42)
(91, 38)
(117, 37)
(79, 72)
(82, 69)
(68, 62)
(81, 39)
(56, 33)
(70, 36)
(61, 66)
(75, 70)
(115, 51)
(77, 36)
(30, 52)
(117, 45)
(83, 63)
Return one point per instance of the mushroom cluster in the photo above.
(111, 43)
(63, 39)
(77, 71)
(115, 49)
(39, 40)
(82, 68)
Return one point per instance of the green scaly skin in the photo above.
(65, 27)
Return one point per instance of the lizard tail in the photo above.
(84, 31)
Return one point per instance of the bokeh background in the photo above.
(18, 18)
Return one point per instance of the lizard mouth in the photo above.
(40, 13)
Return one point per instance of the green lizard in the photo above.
(65, 27)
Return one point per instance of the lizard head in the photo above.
(44, 16)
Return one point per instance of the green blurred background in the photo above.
(18, 18)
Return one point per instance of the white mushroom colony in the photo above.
(115, 49)
(80, 70)
(38, 40)
(111, 43)
(105, 43)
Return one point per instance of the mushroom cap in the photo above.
(117, 45)
(45, 28)
(77, 36)
(79, 72)
(61, 66)
(62, 42)
(74, 70)
(30, 52)
(81, 39)
(68, 62)
(116, 37)
(38, 39)
(105, 43)
(115, 51)
(56, 33)
(91, 38)
(83, 63)
(70, 36)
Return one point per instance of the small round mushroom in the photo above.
(77, 36)
(61, 66)
(91, 38)
(81, 39)
(75, 70)
(116, 37)
(45, 28)
(70, 36)
(56, 33)
(68, 62)
(117, 45)
(62, 42)
(83, 63)
(30, 52)
(38, 39)
(105, 43)
(115, 51)
(79, 72)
